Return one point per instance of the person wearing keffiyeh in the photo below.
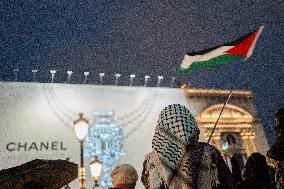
(178, 160)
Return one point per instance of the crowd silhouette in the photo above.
(179, 161)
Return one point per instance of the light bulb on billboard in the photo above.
(53, 72)
(86, 76)
(117, 76)
(159, 80)
(34, 71)
(147, 77)
(132, 76)
(101, 78)
(69, 76)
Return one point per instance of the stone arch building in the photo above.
(239, 118)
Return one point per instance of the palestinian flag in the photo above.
(220, 55)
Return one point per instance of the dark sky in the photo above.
(145, 37)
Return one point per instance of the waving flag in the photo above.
(220, 55)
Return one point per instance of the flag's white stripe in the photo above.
(249, 53)
(188, 60)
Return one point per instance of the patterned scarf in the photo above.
(182, 162)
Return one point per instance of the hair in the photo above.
(124, 176)
(257, 165)
(231, 139)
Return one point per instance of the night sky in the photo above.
(148, 37)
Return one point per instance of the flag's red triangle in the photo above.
(243, 47)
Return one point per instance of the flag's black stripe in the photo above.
(226, 44)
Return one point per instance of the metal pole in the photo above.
(82, 152)
(226, 102)
(82, 172)
(96, 184)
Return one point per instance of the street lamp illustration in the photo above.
(96, 169)
(81, 126)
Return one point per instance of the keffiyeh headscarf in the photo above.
(177, 122)
(176, 152)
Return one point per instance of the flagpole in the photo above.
(226, 102)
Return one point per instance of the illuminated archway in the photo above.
(233, 120)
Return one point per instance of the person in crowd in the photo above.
(236, 162)
(124, 177)
(234, 158)
(275, 155)
(178, 160)
(244, 174)
(257, 173)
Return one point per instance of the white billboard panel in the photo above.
(36, 120)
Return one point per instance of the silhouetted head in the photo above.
(256, 165)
